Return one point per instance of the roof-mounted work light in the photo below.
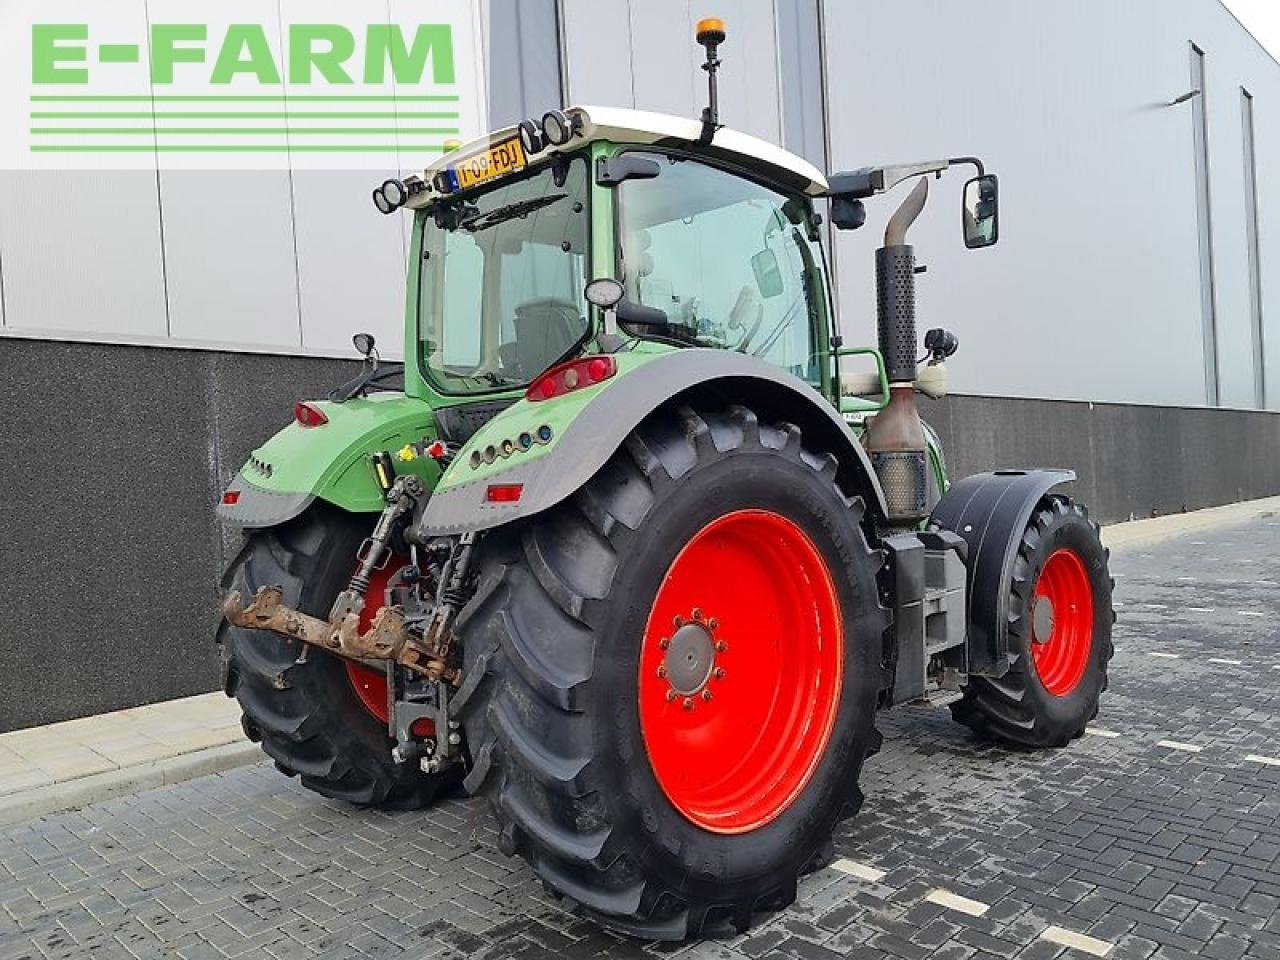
(530, 137)
(558, 128)
(394, 194)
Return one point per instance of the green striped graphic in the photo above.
(147, 98)
(237, 131)
(202, 115)
(233, 148)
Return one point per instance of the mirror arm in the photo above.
(971, 161)
(870, 181)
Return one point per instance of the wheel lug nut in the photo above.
(664, 643)
(688, 703)
(662, 671)
(721, 646)
(719, 673)
(713, 623)
(697, 613)
(706, 695)
(671, 695)
(678, 621)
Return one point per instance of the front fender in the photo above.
(299, 464)
(586, 426)
(990, 511)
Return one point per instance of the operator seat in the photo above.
(546, 329)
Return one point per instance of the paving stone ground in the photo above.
(1156, 850)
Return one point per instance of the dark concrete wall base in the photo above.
(1132, 461)
(115, 456)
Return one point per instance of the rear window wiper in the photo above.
(521, 208)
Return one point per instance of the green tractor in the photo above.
(628, 553)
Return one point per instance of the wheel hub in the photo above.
(1042, 619)
(690, 659)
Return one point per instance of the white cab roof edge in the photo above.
(640, 126)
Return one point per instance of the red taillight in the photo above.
(437, 450)
(503, 492)
(308, 414)
(572, 375)
(231, 498)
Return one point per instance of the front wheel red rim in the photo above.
(1062, 622)
(741, 670)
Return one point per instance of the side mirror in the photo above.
(982, 212)
(847, 213)
(768, 274)
(364, 344)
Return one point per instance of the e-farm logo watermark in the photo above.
(145, 83)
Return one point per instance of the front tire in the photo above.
(617, 781)
(1059, 635)
(308, 714)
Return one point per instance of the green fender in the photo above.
(331, 462)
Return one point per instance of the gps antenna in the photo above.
(711, 33)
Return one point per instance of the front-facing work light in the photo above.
(530, 137)
(557, 128)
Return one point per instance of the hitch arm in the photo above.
(388, 637)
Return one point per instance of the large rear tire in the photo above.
(309, 716)
(1059, 635)
(671, 679)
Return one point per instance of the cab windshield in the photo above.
(500, 294)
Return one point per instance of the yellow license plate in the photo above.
(498, 160)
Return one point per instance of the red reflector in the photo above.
(308, 414)
(572, 375)
(504, 492)
(231, 497)
(437, 449)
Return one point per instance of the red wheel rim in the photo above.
(1062, 622)
(740, 671)
(370, 683)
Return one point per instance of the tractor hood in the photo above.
(330, 461)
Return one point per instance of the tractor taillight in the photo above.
(503, 492)
(572, 375)
(308, 414)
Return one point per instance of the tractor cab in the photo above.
(715, 245)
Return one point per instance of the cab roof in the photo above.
(768, 161)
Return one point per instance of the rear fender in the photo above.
(990, 511)
(330, 462)
(588, 425)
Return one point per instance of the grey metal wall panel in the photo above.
(1093, 291)
(524, 60)
(82, 252)
(1267, 144)
(800, 79)
(598, 52)
(229, 248)
(1204, 223)
(663, 59)
(351, 262)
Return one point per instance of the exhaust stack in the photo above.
(895, 436)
